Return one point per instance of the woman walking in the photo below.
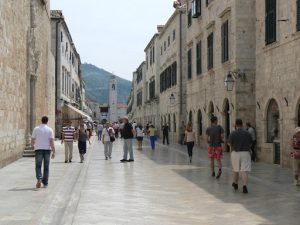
(152, 136)
(295, 144)
(190, 139)
(108, 136)
(139, 136)
(82, 138)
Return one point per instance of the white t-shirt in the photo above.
(105, 134)
(139, 132)
(42, 135)
(190, 136)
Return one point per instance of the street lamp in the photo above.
(229, 82)
(172, 99)
(232, 77)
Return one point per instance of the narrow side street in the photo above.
(160, 187)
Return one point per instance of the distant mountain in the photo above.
(97, 84)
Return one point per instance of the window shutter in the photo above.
(270, 21)
(298, 15)
(190, 64)
(210, 51)
(224, 38)
(199, 58)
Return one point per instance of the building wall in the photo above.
(15, 63)
(277, 77)
(206, 92)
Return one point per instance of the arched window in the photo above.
(200, 125)
(272, 121)
(211, 110)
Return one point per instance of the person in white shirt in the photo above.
(189, 139)
(107, 133)
(139, 136)
(43, 142)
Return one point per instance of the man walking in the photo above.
(100, 130)
(128, 134)
(166, 134)
(240, 141)
(43, 142)
(68, 138)
(251, 131)
(214, 139)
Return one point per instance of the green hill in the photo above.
(97, 84)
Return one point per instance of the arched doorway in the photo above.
(226, 109)
(191, 117)
(273, 129)
(199, 122)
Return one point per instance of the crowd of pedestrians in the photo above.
(242, 143)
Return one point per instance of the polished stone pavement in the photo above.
(159, 188)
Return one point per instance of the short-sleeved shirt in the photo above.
(139, 132)
(252, 133)
(214, 132)
(240, 140)
(127, 131)
(100, 127)
(42, 135)
(69, 133)
(82, 137)
(151, 131)
(190, 136)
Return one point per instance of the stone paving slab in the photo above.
(159, 188)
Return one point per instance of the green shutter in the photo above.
(270, 21)
(298, 15)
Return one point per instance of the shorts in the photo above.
(139, 138)
(296, 166)
(215, 152)
(82, 147)
(241, 161)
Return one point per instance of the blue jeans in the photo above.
(99, 135)
(40, 156)
(152, 141)
(127, 147)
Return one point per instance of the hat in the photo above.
(297, 130)
(125, 118)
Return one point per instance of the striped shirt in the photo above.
(68, 133)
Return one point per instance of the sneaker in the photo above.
(235, 186)
(66, 161)
(38, 184)
(70, 161)
(219, 174)
(123, 160)
(245, 190)
(213, 174)
(109, 157)
(45, 185)
(130, 160)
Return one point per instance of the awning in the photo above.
(84, 115)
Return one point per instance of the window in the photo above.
(298, 15)
(190, 18)
(189, 64)
(63, 80)
(161, 50)
(61, 37)
(174, 35)
(174, 74)
(139, 76)
(139, 98)
(169, 41)
(165, 46)
(199, 57)
(153, 54)
(272, 121)
(210, 51)
(270, 21)
(152, 89)
(151, 59)
(196, 8)
(225, 43)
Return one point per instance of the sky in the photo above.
(113, 34)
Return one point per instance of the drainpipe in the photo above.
(56, 69)
(180, 77)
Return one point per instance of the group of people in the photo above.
(241, 141)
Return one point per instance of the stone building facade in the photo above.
(220, 40)
(69, 82)
(277, 78)
(27, 83)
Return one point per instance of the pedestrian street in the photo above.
(160, 188)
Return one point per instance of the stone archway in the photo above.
(273, 129)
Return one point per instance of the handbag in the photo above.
(112, 138)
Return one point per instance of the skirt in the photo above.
(82, 147)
